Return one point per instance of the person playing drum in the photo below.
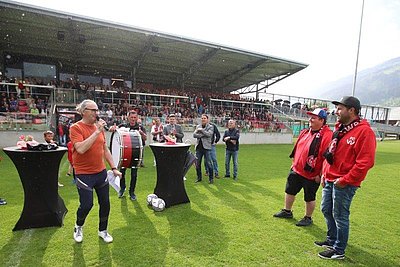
(132, 125)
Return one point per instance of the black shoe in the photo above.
(197, 181)
(235, 178)
(227, 176)
(323, 244)
(211, 181)
(284, 214)
(306, 221)
(133, 197)
(331, 254)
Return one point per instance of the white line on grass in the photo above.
(15, 256)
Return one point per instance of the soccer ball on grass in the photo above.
(158, 204)
(150, 198)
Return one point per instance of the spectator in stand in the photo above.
(350, 155)
(34, 111)
(173, 129)
(20, 88)
(231, 139)
(203, 134)
(3, 97)
(4, 106)
(13, 104)
(214, 140)
(109, 113)
(305, 172)
(40, 105)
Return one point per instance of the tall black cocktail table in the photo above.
(170, 161)
(38, 171)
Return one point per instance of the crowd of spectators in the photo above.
(115, 101)
(22, 98)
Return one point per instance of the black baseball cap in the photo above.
(349, 101)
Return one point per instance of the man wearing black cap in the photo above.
(349, 156)
(306, 168)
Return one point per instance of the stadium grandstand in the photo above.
(50, 61)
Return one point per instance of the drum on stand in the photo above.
(126, 148)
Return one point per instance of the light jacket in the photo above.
(204, 134)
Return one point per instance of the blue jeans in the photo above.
(214, 163)
(207, 158)
(228, 155)
(335, 206)
(62, 140)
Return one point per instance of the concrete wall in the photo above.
(10, 138)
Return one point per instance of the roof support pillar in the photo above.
(257, 92)
(2, 62)
(76, 71)
(134, 78)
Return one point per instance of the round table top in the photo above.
(17, 149)
(168, 145)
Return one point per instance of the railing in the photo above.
(388, 129)
(17, 121)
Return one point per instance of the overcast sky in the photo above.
(321, 33)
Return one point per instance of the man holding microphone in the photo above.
(89, 151)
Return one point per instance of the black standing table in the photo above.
(38, 171)
(170, 160)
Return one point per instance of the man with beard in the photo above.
(350, 155)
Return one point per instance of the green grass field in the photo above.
(226, 224)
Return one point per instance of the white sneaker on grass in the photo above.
(106, 236)
(78, 233)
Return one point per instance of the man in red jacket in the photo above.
(307, 165)
(350, 155)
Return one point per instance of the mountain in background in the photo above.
(379, 85)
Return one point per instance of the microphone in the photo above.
(105, 126)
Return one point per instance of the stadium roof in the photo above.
(109, 49)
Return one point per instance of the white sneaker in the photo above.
(106, 236)
(78, 233)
